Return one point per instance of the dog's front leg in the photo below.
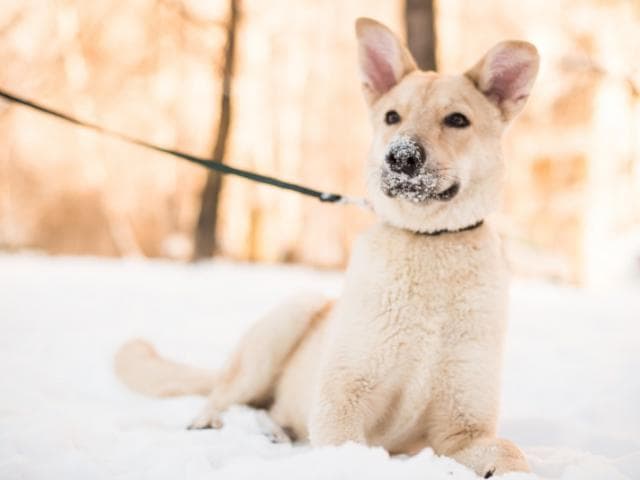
(489, 456)
(341, 409)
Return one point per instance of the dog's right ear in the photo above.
(384, 61)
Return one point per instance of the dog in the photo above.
(409, 356)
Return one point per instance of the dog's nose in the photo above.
(405, 155)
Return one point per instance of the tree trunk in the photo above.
(205, 233)
(421, 34)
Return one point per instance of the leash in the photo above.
(214, 165)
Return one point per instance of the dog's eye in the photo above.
(391, 117)
(456, 120)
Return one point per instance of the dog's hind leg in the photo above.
(251, 374)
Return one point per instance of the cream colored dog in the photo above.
(409, 357)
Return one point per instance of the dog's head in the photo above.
(436, 160)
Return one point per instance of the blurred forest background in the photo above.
(272, 86)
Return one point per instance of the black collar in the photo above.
(444, 230)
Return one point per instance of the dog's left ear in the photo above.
(384, 60)
(506, 74)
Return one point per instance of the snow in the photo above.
(571, 388)
(416, 189)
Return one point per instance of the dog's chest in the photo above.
(409, 289)
(413, 305)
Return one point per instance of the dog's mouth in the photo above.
(419, 188)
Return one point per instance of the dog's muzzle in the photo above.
(405, 174)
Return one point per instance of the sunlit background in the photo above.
(159, 70)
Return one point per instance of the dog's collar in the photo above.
(444, 230)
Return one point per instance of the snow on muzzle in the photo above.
(406, 173)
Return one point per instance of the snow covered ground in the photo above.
(571, 385)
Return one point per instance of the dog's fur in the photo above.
(409, 356)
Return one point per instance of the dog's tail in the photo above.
(140, 367)
(256, 363)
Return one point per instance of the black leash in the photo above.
(210, 164)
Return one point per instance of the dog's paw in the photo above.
(277, 436)
(207, 419)
(489, 472)
(270, 429)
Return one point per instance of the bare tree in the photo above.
(421, 34)
(205, 233)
